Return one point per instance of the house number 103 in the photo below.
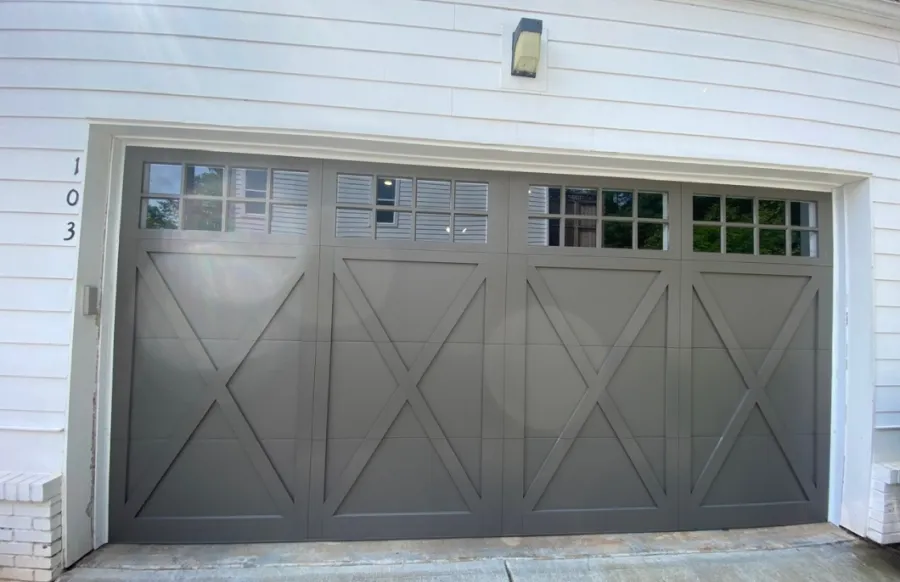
(72, 199)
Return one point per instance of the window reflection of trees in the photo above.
(741, 220)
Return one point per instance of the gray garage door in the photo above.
(330, 350)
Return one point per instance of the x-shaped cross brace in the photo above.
(216, 384)
(756, 383)
(596, 393)
(407, 387)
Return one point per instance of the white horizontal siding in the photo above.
(30, 420)
(667, 39)
(248, 26)
(887, 267)
(32, 450)
(34, 394)
(888, 420)
(723, 19)
(33, 228)
(20, 196)
(49, 295)
(35, 262)
(741, 82)
(278, 116)
(275, 58)
(34, 361)
(19, 132)
(35, 327)
(791, 28)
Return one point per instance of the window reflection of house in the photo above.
(249, 216)
(287, 187)
(581, 233)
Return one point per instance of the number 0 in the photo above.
(70, 231)
(72, 197)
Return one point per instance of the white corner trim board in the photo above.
(30, 526)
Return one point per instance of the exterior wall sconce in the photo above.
(526, 48)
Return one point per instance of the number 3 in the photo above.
(71, 231)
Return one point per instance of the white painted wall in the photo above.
(735, 81)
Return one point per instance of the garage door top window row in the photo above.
(224, 199)
(409, 208)
(606, 218)
(754, 226)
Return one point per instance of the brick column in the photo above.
(30, 527)
(884, 504)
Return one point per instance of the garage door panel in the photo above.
(409, 351)
(344, 322)
(754, 306)
(591, 521)
(453, 389)
(404, 475)
(597, 320)
(295, 320)
(149, 320)
(655, 331)
(597, 425)
(211, 426)
(553, 388)
(259, 389)
(716, 391)
(290, 458)
(414, 526)
(472, 454)
(539, 330)
(351, 410)
(591, 403)
(792, 390)
(237, 285)
(408, 298)
(770, 482)
(823, 392)
(405, 415)
(639, 391)
(807, 336)
(188, 530)
(210, 478)
(596, 473)
(165, 380)
(536, 451)
(755, 401)
(661, 454)
(470, 328)
(214, 426)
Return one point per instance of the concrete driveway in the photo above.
(820, 553)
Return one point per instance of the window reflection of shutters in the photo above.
(353, 189)
(472, 197)
(248, 216)
(538, 230)
(292, 188)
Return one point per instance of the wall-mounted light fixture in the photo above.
(526, 48)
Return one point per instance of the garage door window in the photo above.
(754, 226)
(565, 216)
(409, 208)
(224, 199)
